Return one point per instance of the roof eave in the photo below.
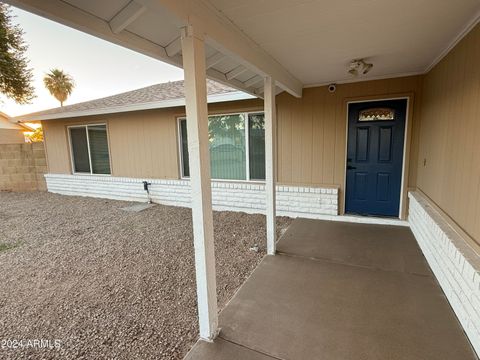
(232, 96)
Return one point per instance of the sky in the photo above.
(99, 68)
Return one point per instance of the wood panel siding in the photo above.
(448, 153)
(311, 134)
(312, 130)
(142, 144)
(56, 147)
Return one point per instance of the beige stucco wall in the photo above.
(449, 146)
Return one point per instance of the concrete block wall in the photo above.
(22, 167)
(454, 262)
(233, 196)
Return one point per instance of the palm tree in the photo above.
(59, 84)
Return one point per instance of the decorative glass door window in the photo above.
(236, 143)
(376, 114)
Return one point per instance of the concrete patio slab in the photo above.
(340, 291)
(295, 308)
(384, 247)
(224, 350)
(138, 207)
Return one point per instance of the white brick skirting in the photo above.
(293, 201)
(455, 264)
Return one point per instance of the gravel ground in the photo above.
(107, 283)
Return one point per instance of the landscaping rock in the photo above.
(111, 284)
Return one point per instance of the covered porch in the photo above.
(339, 290)
(331, 290)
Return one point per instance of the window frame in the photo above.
(72, 161)
(247, 145)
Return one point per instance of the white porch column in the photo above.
(193, 50)
(270, 161)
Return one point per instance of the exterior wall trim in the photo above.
(369, 78)
(463, 32)
(454, 262)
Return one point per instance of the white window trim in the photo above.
(72, 162)
(247, 147)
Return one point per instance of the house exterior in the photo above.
(401, 144)
(10, 133)
(146, 145)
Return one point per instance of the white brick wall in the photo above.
(294, 201)
(455, 264)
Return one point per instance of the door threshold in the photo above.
(372, 220)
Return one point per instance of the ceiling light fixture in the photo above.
(356, 65)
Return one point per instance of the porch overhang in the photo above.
(263, 49)
(297, 43)
(153, 29)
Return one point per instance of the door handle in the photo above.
(350, 167)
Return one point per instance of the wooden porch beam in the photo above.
(228, 39)
(239, 70)
(126, 16)
(259, 91)
(214, 60)
(174, 47)
(193, 50)
(252, 81)
(270, 162)
(64, 13)
(237, 84)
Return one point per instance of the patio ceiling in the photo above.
(316, 39)
(297, 42)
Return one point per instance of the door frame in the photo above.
(402, 213)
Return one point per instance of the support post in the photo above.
(193, 52)
(270, 162)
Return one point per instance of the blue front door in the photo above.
(375, 157)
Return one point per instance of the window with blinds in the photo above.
(89, 145)
(236, 144)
